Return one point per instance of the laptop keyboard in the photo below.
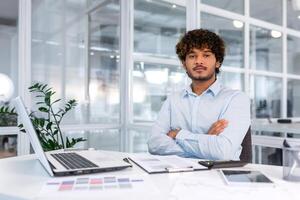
(73, 161)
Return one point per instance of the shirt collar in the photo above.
(214, 89)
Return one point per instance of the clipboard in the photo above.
(154, 164)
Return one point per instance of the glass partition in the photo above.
(267, 93)
(9, 80)
(232, 80)
(265, 49)
(151, 84)
(106, 139)
(233, 34)
(267, 10)
(293, 55)
(157, 27)
(230, 5)
(293, 98)
(293, 13)
(77, 53)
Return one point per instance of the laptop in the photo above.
(65, 162)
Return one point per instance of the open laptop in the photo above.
(62, 163)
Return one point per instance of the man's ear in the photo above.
(184, 65)
(218, 64)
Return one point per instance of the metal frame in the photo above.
(126, 69)
(24, 65)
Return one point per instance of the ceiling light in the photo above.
(296, 5)
(6, 87)
(157, 76)
(275, 34)
(174, 6)
(238, 24)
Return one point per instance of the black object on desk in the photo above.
(211, 164)
(284, 121)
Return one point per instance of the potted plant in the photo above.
(47, 120)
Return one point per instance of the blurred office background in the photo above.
(117, 58)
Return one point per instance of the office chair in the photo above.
(246, 154)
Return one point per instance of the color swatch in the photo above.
(93, 183)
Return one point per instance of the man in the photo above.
(205, 120)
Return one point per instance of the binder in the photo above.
(153, 164)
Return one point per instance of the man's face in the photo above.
(200, 64)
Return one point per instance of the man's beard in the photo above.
(206, 78)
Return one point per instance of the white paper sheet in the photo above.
(204, 188)
(154, 163)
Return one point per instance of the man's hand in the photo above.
(172, 134)
(218, 127)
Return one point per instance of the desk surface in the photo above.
(276, 127)
(23, 177)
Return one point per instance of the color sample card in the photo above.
(93, 183)
(92, 187)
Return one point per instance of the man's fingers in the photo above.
(216, 131)
(220, 123)
(218, 127)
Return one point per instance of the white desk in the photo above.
(276, 127)
(23, 177)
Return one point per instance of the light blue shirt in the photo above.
(194, 115)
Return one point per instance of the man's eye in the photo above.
(191, 56)
(206, 55)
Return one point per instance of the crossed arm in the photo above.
(222, 141)
(215, 129)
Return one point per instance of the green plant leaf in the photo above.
(47, 100)
(48, 127)
(42, 122)
(56, 101)
(33, 86)
(44, 86)
(43, 109)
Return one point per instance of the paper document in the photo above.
(210, 186)
(165, 164)
(98, 187)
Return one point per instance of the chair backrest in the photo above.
(246, 154)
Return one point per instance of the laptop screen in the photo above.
(34, 140)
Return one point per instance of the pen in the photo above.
(126, 160)
(180, 169)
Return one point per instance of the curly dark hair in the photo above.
(201, 38)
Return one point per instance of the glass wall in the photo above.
(293, 8)
(156, 70)
(293, 54)
(157, 27)
(267, 10)
(265, 49)
(8, 75)
(236, 6)
(79, 56)
(293, 98)
(232, 31)
(76, 50)
(268, 93)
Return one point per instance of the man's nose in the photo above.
(199, 60)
